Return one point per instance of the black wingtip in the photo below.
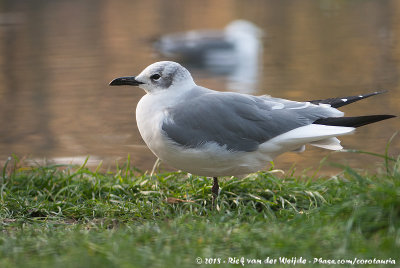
(356, 121)
(342, 101)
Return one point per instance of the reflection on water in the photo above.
(57, 58)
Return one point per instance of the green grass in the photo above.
(63, 216)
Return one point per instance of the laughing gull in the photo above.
(234, 53)
(211, 133)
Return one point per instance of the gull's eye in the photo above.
(155, 77)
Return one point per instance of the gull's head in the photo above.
(158, 77)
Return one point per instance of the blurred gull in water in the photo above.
(235, 52)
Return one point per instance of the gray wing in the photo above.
(237, 121)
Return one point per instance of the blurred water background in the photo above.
(58, 56)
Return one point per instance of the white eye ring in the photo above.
(155, 77)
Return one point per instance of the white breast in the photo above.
(151, 112)
(149, 119)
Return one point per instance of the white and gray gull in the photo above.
(211, 133)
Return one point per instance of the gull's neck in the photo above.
(175, 89)
(171, 96)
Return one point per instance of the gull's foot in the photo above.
(215, 191)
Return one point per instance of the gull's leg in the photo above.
(214, 191)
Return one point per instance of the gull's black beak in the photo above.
(125, 81)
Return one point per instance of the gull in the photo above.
(234, 52)
(211, 133)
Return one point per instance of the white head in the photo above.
(158, 77)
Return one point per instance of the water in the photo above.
(57, 58)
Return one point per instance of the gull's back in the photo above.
(236, 121)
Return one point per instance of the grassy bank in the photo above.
(75, 217)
